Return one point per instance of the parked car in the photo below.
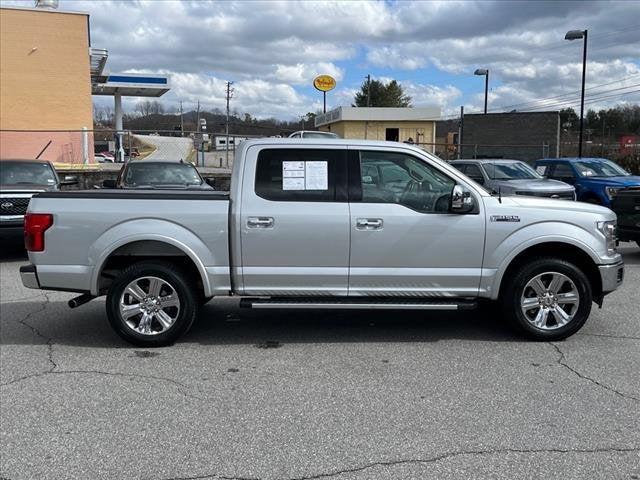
(513, 177)
(299, 230)
(101, 158)
(626, 205)
(19, 180)
(145, 174)
(313, 134)
(596, 180)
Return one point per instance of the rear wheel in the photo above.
(151, 304)
(548, 299)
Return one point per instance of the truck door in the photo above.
(294, 221)
(404, 241)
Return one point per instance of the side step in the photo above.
(351, 303)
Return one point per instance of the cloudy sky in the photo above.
(272, 50)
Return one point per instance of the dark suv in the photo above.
(19, 181)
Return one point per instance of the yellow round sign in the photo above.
(324, 83)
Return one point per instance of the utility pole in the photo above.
(460, 131)
(229, 95)
(181, 121)
(368, 90)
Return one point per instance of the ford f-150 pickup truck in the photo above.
(307, 225)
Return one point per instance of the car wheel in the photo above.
(151, 304)
(548, 299)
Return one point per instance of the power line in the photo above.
(571, 100)
(575, 92)
(567, 104)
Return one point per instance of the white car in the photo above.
(313, 134)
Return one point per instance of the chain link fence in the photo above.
(77, 149)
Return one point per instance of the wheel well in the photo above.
(134, 252)
(564, 251)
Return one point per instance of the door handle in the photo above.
(260, 222)
(369, 224)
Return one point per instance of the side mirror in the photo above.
(461, 200)
(109, 183)
(210, 181)
(69, 180)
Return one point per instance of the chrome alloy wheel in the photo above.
(550, 300)
(149, 305)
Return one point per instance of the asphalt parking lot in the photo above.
(299, 395)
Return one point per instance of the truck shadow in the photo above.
(224, 323)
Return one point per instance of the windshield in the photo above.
(510, 171)
(599, 168)
(156, 174)
(25, 173)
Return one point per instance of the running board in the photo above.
(350, 303)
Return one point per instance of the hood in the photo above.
(533, 185)
(553, 204)
(26, 188)
(621, 181)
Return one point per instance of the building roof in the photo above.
(372, 114)
(43, 10)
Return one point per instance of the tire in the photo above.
(152, 304)
(560, 280)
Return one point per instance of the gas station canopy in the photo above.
(130, 85)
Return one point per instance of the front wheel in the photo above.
(547, 299)
(151, 304)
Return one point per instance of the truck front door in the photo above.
(404, 241)
(294, 221)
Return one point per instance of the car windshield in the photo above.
(599, 168)
(25, 173)
(510, 171)
(158, 174)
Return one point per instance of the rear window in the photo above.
(299, 175)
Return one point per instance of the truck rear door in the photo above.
(294, 221)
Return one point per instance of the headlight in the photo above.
(608, 229)
(611, 192)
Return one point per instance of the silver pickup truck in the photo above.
(336, 224)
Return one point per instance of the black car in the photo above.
(147, 174)
(626, 204)
(19, 181)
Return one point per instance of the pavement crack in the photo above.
(419, 461)
(182, 388)
(48, 340)
(562, 361)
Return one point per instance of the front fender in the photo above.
(504, 251)
(144, 229)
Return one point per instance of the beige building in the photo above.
(45, 84)
(417, 125)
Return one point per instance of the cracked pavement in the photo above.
(346, 396)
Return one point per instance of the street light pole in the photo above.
(485, 72)
(576, 35)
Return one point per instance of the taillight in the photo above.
(35, 224)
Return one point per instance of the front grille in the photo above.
(559, 195)
(14, 205)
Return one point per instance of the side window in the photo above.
(562, 170)
(474, 173)
(462, 167)
(301, 175)
(404, 180)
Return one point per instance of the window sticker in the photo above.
(312, 175)
(317, 175)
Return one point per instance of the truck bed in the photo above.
(90, 225)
